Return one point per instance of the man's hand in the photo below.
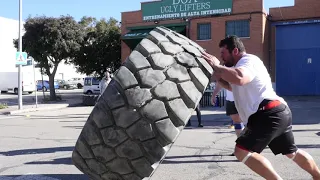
(212, 60)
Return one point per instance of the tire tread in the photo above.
(143, 110)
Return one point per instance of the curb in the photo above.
(61, 106)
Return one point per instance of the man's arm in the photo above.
(239, 76)
(217, 89)
(220, 83)
(224, 84)
(232, 75)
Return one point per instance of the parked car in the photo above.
(45, 85)
(66, 84)
(91, 85)
(78, 81)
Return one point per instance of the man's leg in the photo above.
(199, 116)
(273, 128)
(189, 123)
(263, 127)
(249, 146)
(232, 111)
(257, 163)
(229, 112)
(306, 162)
(285, 144)
(238, 124)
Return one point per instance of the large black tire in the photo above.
(143, 110)
(89, 100)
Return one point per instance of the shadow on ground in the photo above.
(308, 146)
(37, 151)
(46, 177)
(195, 161)
(214, 159)
(65, 161)
(62, 117)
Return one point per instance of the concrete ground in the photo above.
(11, 99)
(38, 145)
(69, 97)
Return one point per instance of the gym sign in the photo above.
(172, 9)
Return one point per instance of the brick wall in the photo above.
(133, 19)
(302, 9)
(266, 43)
(245, 6)
(218, 31)
(241, 10)
(262, 35)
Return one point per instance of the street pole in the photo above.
(34, 80)
(20, 50)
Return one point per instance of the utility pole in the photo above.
(20, 50)
(34, 80)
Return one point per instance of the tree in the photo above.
(51, 40)
(101, 48)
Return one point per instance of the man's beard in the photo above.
(229, 63)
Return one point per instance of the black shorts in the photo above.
(231, 108)
(271, 127)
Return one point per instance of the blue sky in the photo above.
(80, 8)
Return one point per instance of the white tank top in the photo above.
(229, 96)
(248, 97)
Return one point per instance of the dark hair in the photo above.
(232, 42)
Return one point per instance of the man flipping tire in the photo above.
(269, 119)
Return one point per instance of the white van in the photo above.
(91, 85)
(78, 81)
(9, 78)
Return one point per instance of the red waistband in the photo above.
(271, 105)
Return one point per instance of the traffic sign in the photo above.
(21, 58)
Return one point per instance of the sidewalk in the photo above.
(41, 106)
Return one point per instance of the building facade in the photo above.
(285, 38)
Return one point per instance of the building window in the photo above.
(240, 28)
(204, 31)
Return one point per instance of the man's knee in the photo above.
(242, 153)
(293, 156)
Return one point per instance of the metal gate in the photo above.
(298, 59)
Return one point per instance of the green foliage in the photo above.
(50, 40)
(92, 45)
(3, 105)
(101, 48)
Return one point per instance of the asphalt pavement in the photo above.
(72, 97)
(11, 99)
(38, 145)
